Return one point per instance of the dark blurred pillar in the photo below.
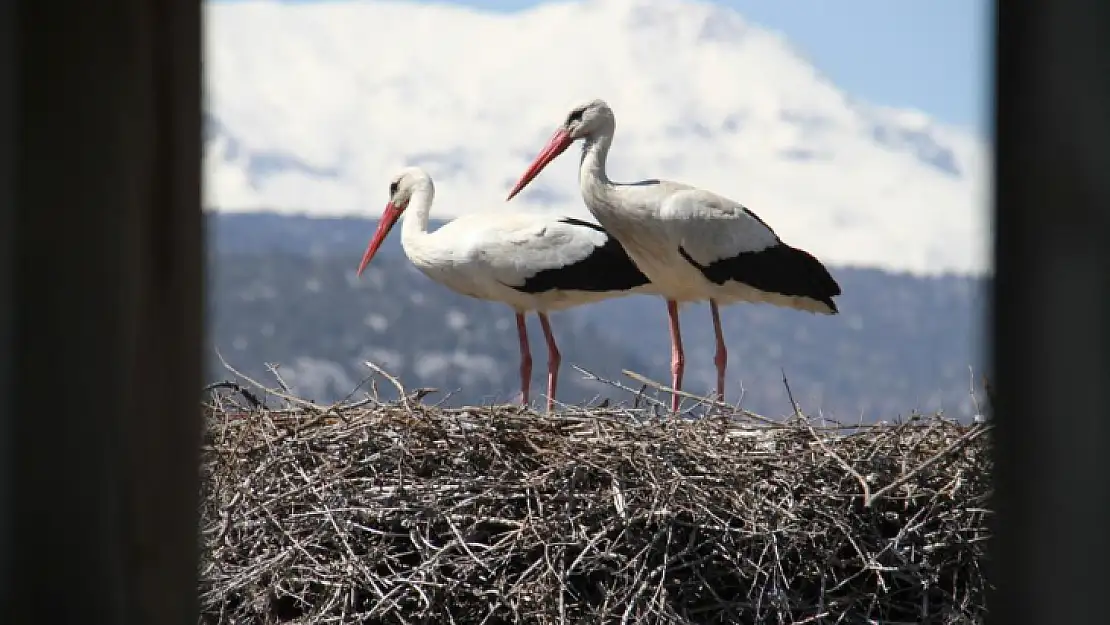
(100, 297)
(7, 278)
(1052, 312)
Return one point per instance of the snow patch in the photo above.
(304, 119)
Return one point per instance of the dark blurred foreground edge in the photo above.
(1052, 312)
(101, 262)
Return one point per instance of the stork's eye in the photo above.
(393, 188)
(575, 116)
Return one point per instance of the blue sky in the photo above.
(933, 55)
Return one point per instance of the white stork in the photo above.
(692, 244)
(531, 262)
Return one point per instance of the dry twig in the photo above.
(407, 513)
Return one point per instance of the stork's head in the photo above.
(584, 121)
(401, 188)
(404, 183)
(587, 119)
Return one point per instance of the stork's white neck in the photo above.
(592, 177)
(414, 226)
(595, 151)
(613, 205)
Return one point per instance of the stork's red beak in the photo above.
(559, 142)
(389, 217)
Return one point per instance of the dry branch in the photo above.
(410, 514)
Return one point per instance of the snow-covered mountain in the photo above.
(312, 106)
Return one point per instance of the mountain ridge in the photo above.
(283, 290)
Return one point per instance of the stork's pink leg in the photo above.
(525, 359)
(678, 358)
(721, 359)
(553, 360)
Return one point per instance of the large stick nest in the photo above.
(412, 514)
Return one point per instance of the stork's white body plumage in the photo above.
(694, 245)
(679, 244)
(530, 262)
(516, 259)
